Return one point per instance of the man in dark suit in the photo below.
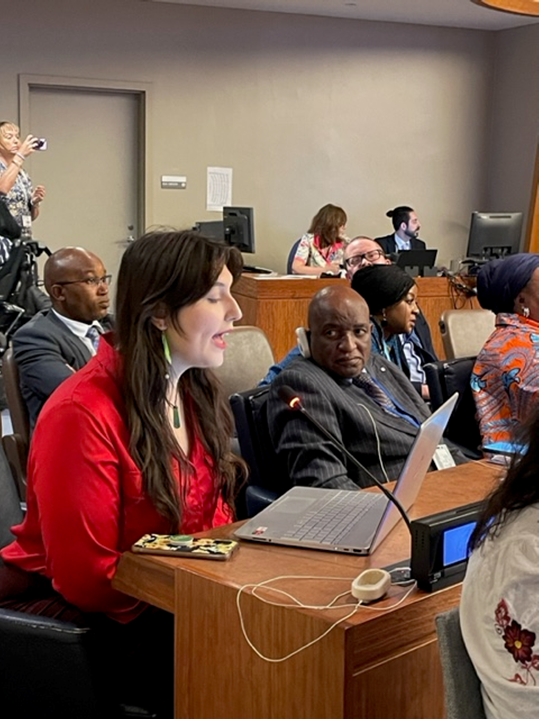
(406, 235)
(364, 400)
(57, 342)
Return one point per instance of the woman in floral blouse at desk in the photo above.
(321, 248)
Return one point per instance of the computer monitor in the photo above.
(211, 228)
(494, 234)
(238, 226)
(415, 262)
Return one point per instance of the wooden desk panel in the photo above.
(279, 304)
(375, 665)
(434, 297)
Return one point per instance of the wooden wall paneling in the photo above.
(532, 236)
(279, 304)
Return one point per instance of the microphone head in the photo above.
(290, 397)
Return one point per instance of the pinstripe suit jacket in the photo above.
(308, 458)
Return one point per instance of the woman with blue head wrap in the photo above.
(505, 377)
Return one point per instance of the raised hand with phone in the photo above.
(22, 199)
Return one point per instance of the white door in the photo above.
(90, 169)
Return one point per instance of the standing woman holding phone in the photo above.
(21, 198)
(137, 441)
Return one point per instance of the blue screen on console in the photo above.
(456, 543)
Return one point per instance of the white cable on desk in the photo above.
(298, 603)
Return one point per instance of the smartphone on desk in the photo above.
(183, 545)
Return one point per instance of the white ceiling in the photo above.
(452, 13)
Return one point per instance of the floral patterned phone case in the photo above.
(183, 545)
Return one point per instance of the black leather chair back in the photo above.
(16, 445)
(444, 378)
(10, 508)
(266, 480)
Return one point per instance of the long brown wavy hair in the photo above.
(518, 490)
(327, 223)
(165, 271)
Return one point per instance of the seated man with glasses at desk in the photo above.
(363, 252)
(61, 340)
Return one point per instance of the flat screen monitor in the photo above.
(417, 259)
(212, 228)
(238, 226)
(494, 234)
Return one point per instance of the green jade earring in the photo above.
(168, 357)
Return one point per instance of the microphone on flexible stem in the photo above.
(457, 283)
(290, 398)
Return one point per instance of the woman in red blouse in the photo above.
(137, 441)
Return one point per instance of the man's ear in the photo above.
(56, 292)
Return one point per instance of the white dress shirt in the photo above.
(402, 244)
(80, 329)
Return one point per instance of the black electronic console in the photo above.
(418, 263)
(440, 546)
(254, 270)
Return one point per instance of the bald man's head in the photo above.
(70, 279)
(363, 252)
(340, 331)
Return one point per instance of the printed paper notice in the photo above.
(219, 189)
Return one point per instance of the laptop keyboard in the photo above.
(330, 523)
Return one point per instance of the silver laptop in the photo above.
(340, 520)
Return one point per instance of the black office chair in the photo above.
(46, 666)
(291, 256)
(444, 378)
(16, 444)
(265, 483)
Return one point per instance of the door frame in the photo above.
(532, 235)
(143, 95)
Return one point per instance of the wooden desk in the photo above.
(278, 305)
(435, 296)
(376, 665)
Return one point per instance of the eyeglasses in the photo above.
(370, 256)
(90, 281)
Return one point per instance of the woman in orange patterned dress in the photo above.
(505, 377)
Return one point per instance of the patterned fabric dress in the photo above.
(313, 255)
(505, 378)
(18, 201)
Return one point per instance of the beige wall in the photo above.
(306, 110)
(515, 112)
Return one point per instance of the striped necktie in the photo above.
(374, 391)
(365, 382)
(94, 335)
